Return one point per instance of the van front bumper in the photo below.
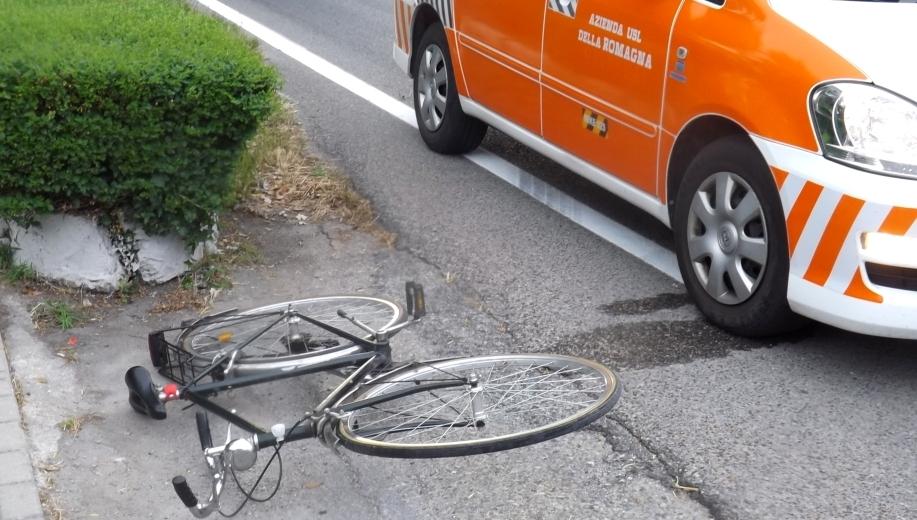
(853, 242)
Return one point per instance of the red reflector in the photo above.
(171, 390)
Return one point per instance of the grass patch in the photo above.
(19, 273)
(57, 313)
(210, 272)
(6, 257)
(13, 272)
(74, 424)
(277, 176)
(127, 290)
(210, 275)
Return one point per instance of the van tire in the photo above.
(446, 129)
(756, 311)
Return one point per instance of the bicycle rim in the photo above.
(521, 400)
(275, 340)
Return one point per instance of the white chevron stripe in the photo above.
(848, 260)
(789, 192)
(571, 8)
(443, 8)
(812, 233)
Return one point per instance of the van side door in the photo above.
(603, 75)
(500, 52)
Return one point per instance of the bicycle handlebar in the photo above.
(220, 458)
(183, 490)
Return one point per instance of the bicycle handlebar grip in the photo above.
(184, 491)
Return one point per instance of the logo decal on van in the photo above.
(595, 122)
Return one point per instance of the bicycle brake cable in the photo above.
(249, 495)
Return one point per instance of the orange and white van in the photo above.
(777, 138)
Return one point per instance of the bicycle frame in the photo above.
(312, 425)
(366, 356)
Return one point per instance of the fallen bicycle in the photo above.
(419, 409)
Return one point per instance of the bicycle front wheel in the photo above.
(272, 338)
(467, 406)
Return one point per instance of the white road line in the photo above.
(644, 249)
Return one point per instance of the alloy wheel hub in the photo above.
(727, 238)
(432, 87)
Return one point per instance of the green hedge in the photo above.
(134, 107)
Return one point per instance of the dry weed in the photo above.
(290, 182)
(49, 504)
(73, 425)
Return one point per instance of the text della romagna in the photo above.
(614, 46)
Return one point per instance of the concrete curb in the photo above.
(18, 488)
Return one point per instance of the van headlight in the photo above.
(868, 127)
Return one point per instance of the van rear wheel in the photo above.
(443, 126)
(730, 240)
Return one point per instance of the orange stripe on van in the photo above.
(408, 13)
(800, 213)
(779, 176)
(899, 221)
(399, 19)
(406, 25)
(845, 213)
(857, 289)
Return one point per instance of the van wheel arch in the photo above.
(693, 138)
(424, 17)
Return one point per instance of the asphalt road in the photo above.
(818, 425)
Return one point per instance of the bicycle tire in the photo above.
(277, 347)
(438, 422)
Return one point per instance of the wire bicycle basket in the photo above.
(172, 362)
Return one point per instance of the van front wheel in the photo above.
(730, 240)
(443, 126)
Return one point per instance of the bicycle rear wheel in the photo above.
(276, 340)
(518, 400)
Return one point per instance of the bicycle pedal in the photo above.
(414, 297)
